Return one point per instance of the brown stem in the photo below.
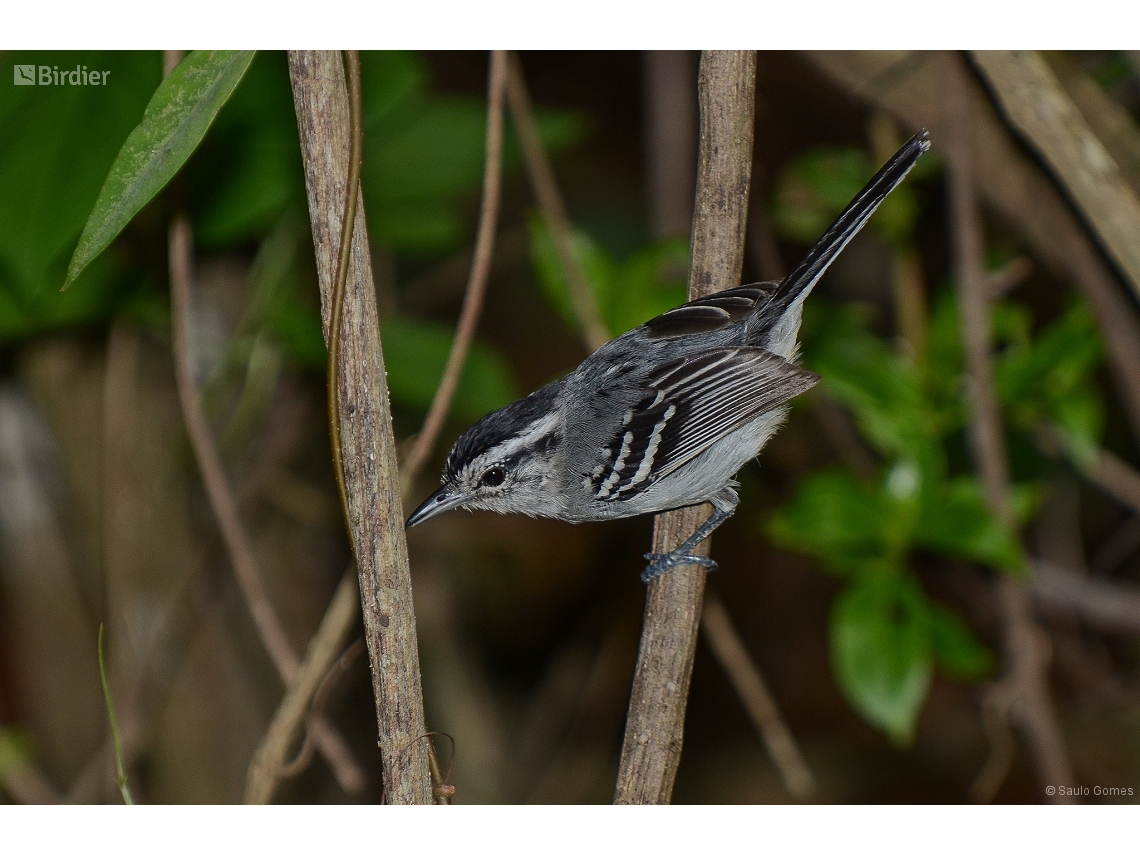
(758, 701)
(1108, 606)
(267, 767)
(368, 446)
(655, 724)
(1039, 108)
(594, 332)
(477, 280)
(671, 131)
(1024, 683)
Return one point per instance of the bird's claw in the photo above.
(659, 563)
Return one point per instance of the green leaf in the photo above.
(415, 353)
(247, 172)
(881, 651)
(881, 388)
(837, 519)
(56, 145)
(649, 282)
(955, 647)
(175, 121)
(955, 520)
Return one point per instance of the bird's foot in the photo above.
(659, 563)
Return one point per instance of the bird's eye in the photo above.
(493, 477)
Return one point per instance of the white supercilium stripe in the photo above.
(529, 436)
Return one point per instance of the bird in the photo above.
(663, 416)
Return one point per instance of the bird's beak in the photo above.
(443, 499)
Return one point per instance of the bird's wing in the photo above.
(713, 312)
(689, 405)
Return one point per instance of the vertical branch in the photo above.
(476, 281)
(594, 332)
(1022, 693)
(655, 725)
(368, 446)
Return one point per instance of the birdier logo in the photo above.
(51, 75)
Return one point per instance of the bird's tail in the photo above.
(800, 281)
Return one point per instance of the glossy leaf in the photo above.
(881, 651)
(175, 121)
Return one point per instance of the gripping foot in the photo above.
(659, 563)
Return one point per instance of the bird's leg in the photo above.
(724, 503)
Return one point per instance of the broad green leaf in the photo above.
(56, 145)
(955, 647)
(881, 651)
(837, 519)
(176, 119)
(415, 353)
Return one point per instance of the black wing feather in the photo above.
(689, 405)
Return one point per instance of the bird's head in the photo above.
(502, 463)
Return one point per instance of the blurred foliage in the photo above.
(886, 634)
(423, 162)
(628, 293)
(56, 145)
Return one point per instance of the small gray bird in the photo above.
(663, 416)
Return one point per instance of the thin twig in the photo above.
(655, 724)
(375, 511)
(1023, 690)
(222, 501)
(477, 280)
(301, 762)
(758, 701)
(113, 721)
(266, 769)
(594, 332)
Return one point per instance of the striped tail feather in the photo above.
(801, 280)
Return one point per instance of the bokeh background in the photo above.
(859, 571)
